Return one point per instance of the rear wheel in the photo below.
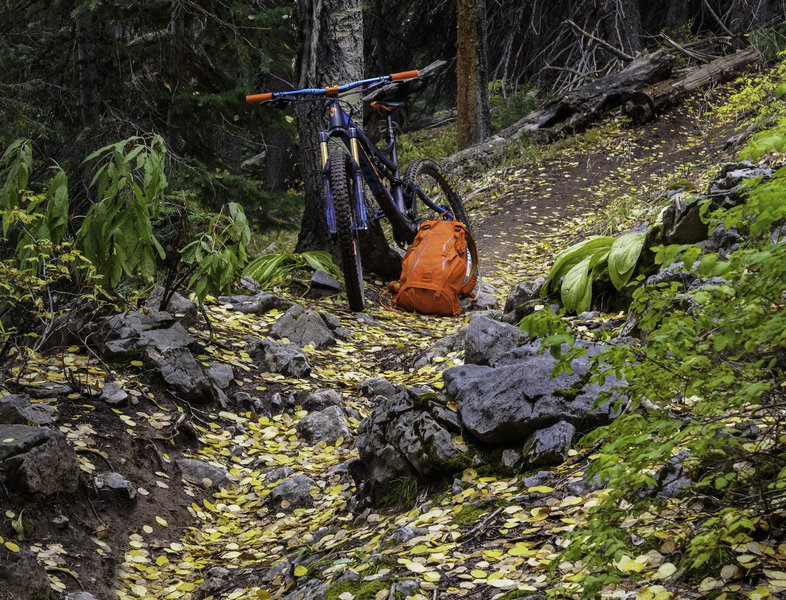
(342, 185)
(424, 177)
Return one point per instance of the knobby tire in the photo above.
(342, 185)
(427, 175)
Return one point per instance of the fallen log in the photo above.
(579, 107)
(642, 105)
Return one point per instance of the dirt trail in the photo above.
(529, 209)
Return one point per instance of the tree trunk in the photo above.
(330, 43)
(89, 96)
(622, 25)
(472, 102)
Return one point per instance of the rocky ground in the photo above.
(269, 506)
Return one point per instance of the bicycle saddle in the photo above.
(386, 106)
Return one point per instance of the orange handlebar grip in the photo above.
(404, 75)
(259, 97)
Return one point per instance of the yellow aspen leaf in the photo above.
(162, 522)
(162, 560)
(665, 571)
(431, 576)
(11, 546)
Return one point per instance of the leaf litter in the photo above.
(514, 542)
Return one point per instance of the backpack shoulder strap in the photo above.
(471, 279)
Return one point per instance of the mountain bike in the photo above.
(356, 164)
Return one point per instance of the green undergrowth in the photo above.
(704, 388)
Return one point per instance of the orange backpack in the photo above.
(439, 267)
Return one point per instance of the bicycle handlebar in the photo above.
(332, 91)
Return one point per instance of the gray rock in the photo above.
(366, 319)
(326, 425)
(376, 386)
(163, 340)
(682, 223)
(443, 347)
(549, 446)
(494, 315)
(114, 482)
(510, 456)
(487, 340)
(113, 394)
(24, 578)
(399, 439)
(16, 409)
(401, 535)
(539, 478)
(48, 390)
(313, 589)
(722, 241)
(484, 301)
(182, 374)
(406, 587)
(221, 374)
(199, 471)
(321, 399)
(181, 307)
(295, 490)
(523, 292)
(258, 304)
(321, 279)
(279, 358)
(38, 460)
(334, 324)
(132, 324)
(509, 402)
(303, 327)
(277, 474)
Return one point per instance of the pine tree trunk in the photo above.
(472, 102)
(89, 96)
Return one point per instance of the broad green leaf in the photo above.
(568, 258)
(576, 287)
(623, 256)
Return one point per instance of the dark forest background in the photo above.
(79, 75)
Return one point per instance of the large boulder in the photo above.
(402, 436)
(37, 460)
(507, 403)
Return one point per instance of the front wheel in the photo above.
(342, 186)
(425, 187)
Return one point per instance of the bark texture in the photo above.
(472, 102)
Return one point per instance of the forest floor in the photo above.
(162, 543)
